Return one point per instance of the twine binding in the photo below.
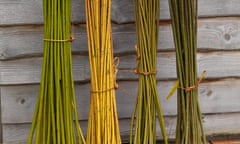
(116, 62)
(191, 88)
(103, 91)
(136, 71)
(71, 39)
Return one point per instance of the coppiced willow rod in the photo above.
(103, 120)
(184, 15)
(56, 110)
(147, 105)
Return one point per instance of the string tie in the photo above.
(71, 39)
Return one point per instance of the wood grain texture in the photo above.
(27, 41)
(18, 102)
(21, 46)
(123, 9)
(217, 65)
(29, 70)
(213, 124)
(19, 12)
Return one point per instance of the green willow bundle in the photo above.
(184, 24)
(103, 120)
(147, 104)
(56, 110)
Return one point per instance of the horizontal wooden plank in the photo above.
(19, 12)
(21, 133)
(30, 11)
(18, 102)
(212, 62)
(124, 11)
(214, 34)
(213, 124)
(29, 70)
(25, 71)
(225, 142)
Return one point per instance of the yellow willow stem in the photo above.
(103, 121)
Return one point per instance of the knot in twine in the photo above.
(187, 89)
(71, 39)
(191, 88)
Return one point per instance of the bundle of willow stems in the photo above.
(56, 110)
(184, 15)
(103, 119)
(147, 104)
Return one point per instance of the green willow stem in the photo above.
(184, 24)
(56, 110)
(147, 104)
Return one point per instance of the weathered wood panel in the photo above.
(217, 65)
(30, 11)
(18, 133)
(214, 34)
(19, 12)
(213, 124)
(123, 9)
(18, 102)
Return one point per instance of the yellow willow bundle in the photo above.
(103, 120)
(53, 121)
(147, 104)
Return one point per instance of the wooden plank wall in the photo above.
(21, 34)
